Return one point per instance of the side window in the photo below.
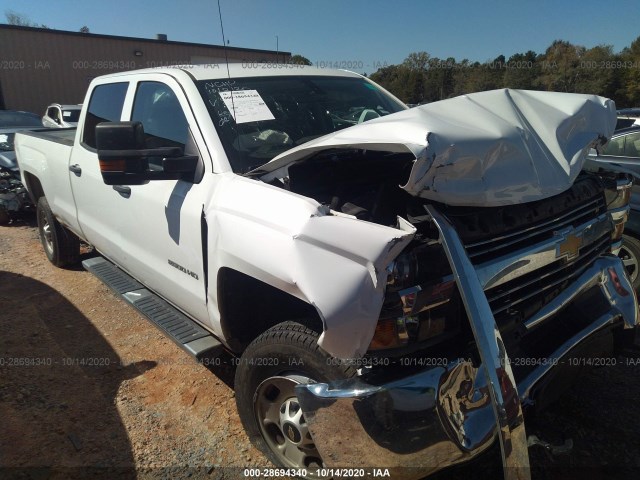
(164, 122)
(105, 105)
(615, 146)
(632, 145)
(51, 113)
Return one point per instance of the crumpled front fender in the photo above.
(435, 418)
(332, 261)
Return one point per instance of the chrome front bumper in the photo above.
(448, 414)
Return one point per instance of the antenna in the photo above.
(226, 59)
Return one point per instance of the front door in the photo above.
(161, 234)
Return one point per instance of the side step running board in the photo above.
(181, 329)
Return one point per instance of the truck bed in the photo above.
(44, 155)
(65, 136)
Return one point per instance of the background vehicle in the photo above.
(624, 150)
(13, 195)
(628, 117)
(367, 267)
(61, 116)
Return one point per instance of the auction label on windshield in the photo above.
(246, 106)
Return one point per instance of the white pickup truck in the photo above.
(400, 287)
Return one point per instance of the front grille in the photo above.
(525, 295)
(486, 250)
(489, 233)
(518, 299)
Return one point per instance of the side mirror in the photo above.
(124, 160)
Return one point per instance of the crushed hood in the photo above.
(493, 148)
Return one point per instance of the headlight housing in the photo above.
(415, 314)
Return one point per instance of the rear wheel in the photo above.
(61, 246)
(269, 370)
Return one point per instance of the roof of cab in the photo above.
(242, 70)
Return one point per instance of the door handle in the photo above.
(75, 169)
(122, 190)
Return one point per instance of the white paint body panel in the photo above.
(291, 242)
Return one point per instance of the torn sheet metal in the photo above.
(332, 261)
(500, 147)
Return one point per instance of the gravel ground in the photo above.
(89, 388)
(87, 383)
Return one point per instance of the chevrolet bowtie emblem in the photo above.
(570, 247)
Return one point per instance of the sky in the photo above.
(361, 35)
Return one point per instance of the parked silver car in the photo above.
(61, 116)
(623, 152)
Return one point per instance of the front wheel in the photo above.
(630, 256)
(272, 365)
(61, 246)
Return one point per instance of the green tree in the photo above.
(20, 19)
(630, 77)
(417, 61)
(522, 71)
(463, 76)
(299, 60)
(439, 79)
(600, 73)
(561, 66)
(405, 83)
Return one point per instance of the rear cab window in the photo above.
(105, 105)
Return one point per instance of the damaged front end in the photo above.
(429, 412)
(509, 277)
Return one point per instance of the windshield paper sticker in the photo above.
(248, 105)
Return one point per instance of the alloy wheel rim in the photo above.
(47, 235)
(282, 423)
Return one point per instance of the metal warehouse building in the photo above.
(40, 66)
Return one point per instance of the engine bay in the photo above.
(362, 183)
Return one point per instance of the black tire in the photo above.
(61, 246)
(285, 355)
(4, 216)
(630, 255)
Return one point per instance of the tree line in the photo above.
(563, 67)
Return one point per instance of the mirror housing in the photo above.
(124, 160)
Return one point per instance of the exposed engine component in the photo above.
(14, 198)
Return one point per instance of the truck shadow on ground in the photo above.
(60, 379)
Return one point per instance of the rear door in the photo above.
(99, 207)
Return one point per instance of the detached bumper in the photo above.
(448, 414)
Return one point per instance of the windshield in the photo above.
(274, 114)
(6, 142)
